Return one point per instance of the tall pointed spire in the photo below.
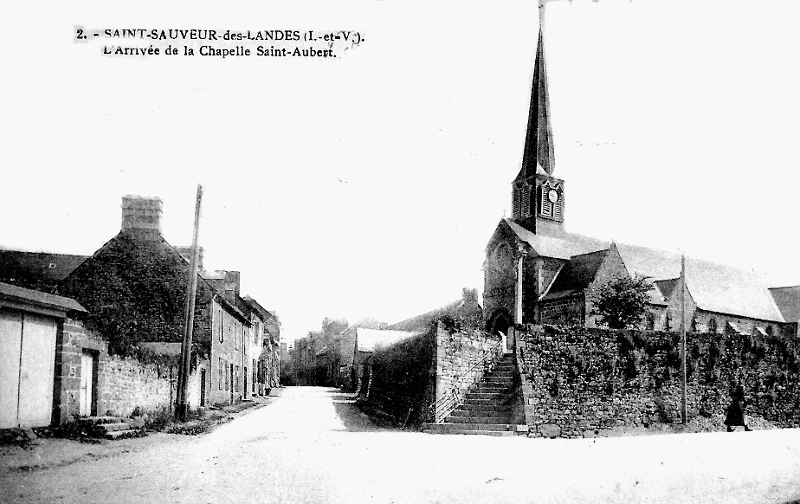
(539, 135)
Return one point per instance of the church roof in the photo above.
(538, 152)
(576, 275)
(788, 301)
(715, 287)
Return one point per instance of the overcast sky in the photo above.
(368, 185)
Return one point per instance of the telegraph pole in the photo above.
(182, 407)
(683, 337)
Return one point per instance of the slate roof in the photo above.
(36, 270)
(576, 275)
(788, 301)
(371, 339)
(715, 287)
(463, 307)
(36, 298)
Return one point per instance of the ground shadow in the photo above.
(352, 417)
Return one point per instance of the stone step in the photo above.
(501, 419)
(100, 420)
(110, 427)
(466, 409)
(445, 427)
(473, 433)
(500, 378)
(493, 385)
(121, 434)
(503, 369)
(484, 395)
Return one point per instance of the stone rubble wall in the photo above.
(122, 383)
(582, 380)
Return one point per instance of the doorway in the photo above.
(88, 392)
(202, 387)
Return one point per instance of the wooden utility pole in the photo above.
(683, 337)
(182, 407)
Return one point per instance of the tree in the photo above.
(622, 301)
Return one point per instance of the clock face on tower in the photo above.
(552, 195)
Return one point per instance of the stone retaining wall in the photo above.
(583, 380)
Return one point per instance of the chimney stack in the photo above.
(186, 253)
(141, 216)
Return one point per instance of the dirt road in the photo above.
(312, 445)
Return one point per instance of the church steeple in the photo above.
(537, 196)
(539, 135)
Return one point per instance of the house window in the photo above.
(769, 330)
(712, 325)
(693, 326)
(221, 374)
(236, 378)
(227, 377)
(651, 321)
(667, 322)
(220, 325)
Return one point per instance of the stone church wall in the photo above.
(584, 380)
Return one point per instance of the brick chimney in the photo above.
(469, 296)
(141, 217)
(232, 284)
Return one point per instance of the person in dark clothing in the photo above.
(735, 415)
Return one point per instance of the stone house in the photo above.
(54, 369)
(134, 288)
(537, 272)
(265, 352)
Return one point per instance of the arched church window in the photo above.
(712, 325)
(667, 321)
(769, 330)
(693, 325)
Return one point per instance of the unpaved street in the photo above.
(312, 445)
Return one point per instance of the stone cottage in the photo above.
(134, 288)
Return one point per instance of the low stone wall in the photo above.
(125, 384)
(121, 383)
(582, 380)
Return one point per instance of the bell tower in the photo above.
(538, 196)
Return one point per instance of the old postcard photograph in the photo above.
(383, 251)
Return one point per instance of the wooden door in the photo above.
(10, 349)
(27, 365)
(87, 384)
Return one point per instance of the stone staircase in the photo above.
(110, 427)
(487, 407)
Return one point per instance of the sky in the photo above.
(369, 184)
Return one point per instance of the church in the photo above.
(536, 272)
